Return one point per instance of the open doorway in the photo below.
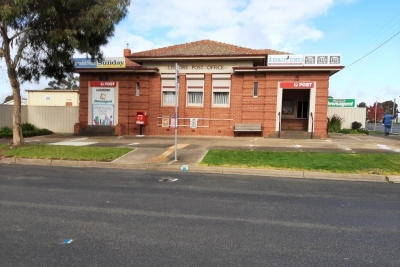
(295, 109)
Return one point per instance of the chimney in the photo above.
(127, 51)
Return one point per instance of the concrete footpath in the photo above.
(159, 153)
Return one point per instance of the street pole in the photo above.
(176, 108)
(375, 116)
(394, 104)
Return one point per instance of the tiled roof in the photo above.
(203, 48)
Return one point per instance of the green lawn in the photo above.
(65, 152)
(364, 163)
(372, 163)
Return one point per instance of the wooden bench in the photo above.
(247, 127)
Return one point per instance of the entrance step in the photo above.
(294, 135)
(97, 130)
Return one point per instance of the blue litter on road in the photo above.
(185, 168)
(67, 241)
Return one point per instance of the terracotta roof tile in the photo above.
(203, 48)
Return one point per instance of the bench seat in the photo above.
(248, 127)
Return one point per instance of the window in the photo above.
(255, 89)
(221, 84)
(302, 109)
(137, 89)
(168, 90)
(48, 97)
(195, 90)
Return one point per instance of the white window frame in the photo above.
(221, 83)
(194, 85)
(167, 87)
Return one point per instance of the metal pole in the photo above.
(375, 115)
(394, 104)
(176, 108)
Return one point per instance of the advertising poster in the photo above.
(103, 104)
(103, 115)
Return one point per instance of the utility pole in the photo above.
(176, 108)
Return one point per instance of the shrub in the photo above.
(363, 130)
(355, 125)
(28, 127)
(43, 132)
(335, 123)
(6, 132)
(344, 131)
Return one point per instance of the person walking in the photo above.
(387, 122)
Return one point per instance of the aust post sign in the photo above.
(341, 103)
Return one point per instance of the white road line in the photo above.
(79, 139)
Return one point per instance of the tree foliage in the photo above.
(371, 112)
(39, 37)
(70, 82)
(362, 105)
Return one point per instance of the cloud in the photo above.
(276, 24)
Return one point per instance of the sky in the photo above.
(365, 32)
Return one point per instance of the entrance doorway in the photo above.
(295, 109)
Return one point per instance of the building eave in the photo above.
(331, 69)
(194, 58)
(125, 70)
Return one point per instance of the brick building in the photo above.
(220, 85)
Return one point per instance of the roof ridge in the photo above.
(205, 47)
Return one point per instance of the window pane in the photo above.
(221, 98)
(305, 109)
(195, 98)
(299, 108)
(168, 98)
(255, 93)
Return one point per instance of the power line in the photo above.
(374, 49)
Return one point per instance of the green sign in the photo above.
(341, 103)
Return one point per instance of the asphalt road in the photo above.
(52, 216)
(380, 127)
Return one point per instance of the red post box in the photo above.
(141, 117)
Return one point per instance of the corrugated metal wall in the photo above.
(349, 115)
(56, 119)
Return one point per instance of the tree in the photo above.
(39, 38)
(371, 112)
(362, 105)
(388, 107)
(8, 98)
(68, 83)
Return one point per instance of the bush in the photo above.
(355, 125)
(6, 132)
(335, 123)
(28, 130)
(363, 130)
(28, 127)
(344, 131)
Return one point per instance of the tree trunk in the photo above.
(18, 138)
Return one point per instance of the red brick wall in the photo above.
(244, 108)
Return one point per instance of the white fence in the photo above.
(56, 119)
(349, 115)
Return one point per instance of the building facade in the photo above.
(53, 97)
(220, 85)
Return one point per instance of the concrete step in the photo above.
(294, 135)
(97, 130)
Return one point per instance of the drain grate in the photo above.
(168, 180)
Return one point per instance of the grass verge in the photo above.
(64, 152)
(365, 163)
